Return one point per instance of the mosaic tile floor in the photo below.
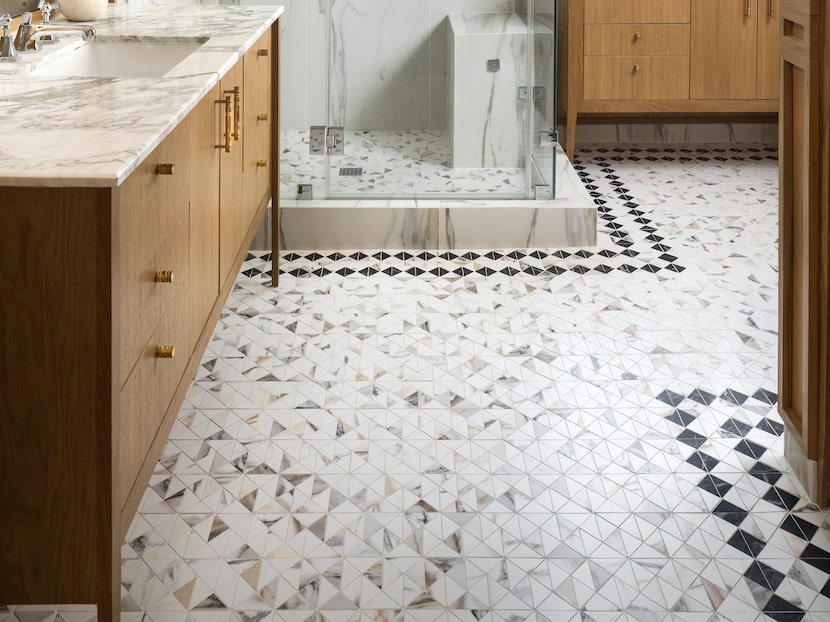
(499, 435)
(393, 164)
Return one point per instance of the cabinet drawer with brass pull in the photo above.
(637, 39)
(635, 77)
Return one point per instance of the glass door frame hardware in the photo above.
(327, 140)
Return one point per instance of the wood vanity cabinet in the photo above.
(667, 58)
(108, 298)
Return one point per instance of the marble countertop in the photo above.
(93, 132)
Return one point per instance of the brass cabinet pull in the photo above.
(636, 67)
(165, 352)
(747, 8)
(261, 163)
(772, 8)
(262, 117)
(163, 276)
(165, 169)
(262, 52)
(228, 120)
(637, 36)
(237, 110)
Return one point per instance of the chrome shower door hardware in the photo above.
(324, 140)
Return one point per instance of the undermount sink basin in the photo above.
(120, 59)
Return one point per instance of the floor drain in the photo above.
(351, 171)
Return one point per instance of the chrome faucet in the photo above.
(30, 36)
(7, 51)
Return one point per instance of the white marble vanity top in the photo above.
(93, 132)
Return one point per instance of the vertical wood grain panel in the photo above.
(768, 58)
(275, 155)
(56, 398)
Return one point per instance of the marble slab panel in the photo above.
(487, 119)
(678, 133)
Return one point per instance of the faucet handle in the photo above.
(46, 9)
(6, 24)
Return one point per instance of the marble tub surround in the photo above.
(102, 128)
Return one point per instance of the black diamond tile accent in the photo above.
(747, 543)
(825, 591)
(439, 271)
(313, 256)
(734, 397)
(667, 257)
(651, 268)
(799, 527)
(562, 254)
(764, 575)
(486, 271)
(584, 254)
(345, 271)
(509, 271)
(538, 255)
(424, 255)
(762, 395)
(751, 449)
(604, 269)
(627, 268)
(515, 255)
(681, 418)
(702, 397)
(608, 253)
(580, 269)
(765, 472)
(773, 427)
(817, 557)
(781, 498)
(703, 461)
(463, 271)
(298, 272)
(533, 270)
(252, 272)
(493, 255)
(369, 271)
(738, 428)
(336, 256)
(670, 397)
(556, 270)
(715, 485)
(391, 271)
(782, 610)
(359, 255)
(693, 439)
(403, 256)
(321, 271)
(730, 512)
(416, 271)
(292, 257)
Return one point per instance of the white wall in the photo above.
(389, 61)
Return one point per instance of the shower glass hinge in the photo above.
(538, 93)
(325, 140)
(305, 192)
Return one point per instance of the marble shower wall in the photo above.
(390, 62)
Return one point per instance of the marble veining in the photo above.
(95, 131)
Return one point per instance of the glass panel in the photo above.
(429, 94)
(545, 148)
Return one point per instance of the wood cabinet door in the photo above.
(804, 247)
(231, 201)
(723, 54)
(257, 124)
(768, 56)
(206, 121)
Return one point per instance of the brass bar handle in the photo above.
(262, 117)
(165, 352)
(165, 169)
(237, 110)
(262, 163)
(747, 8)
(771, 8)
(262, 52)
(163, 276)
(228, 120)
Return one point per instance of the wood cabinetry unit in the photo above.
(108, 298)
(667, 57)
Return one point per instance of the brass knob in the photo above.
(165, 169)
(636, 68)
(262, 52)
(165, 352)
(261, 163)
(637, 36)
(262, 117)
(164, 276)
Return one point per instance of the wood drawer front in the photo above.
(637, 39)
(636, 77)
(258, 71)
(143, 300)
(150, 202)
(637, 11)
(148, 391)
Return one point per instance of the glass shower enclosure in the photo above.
(424, 99)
